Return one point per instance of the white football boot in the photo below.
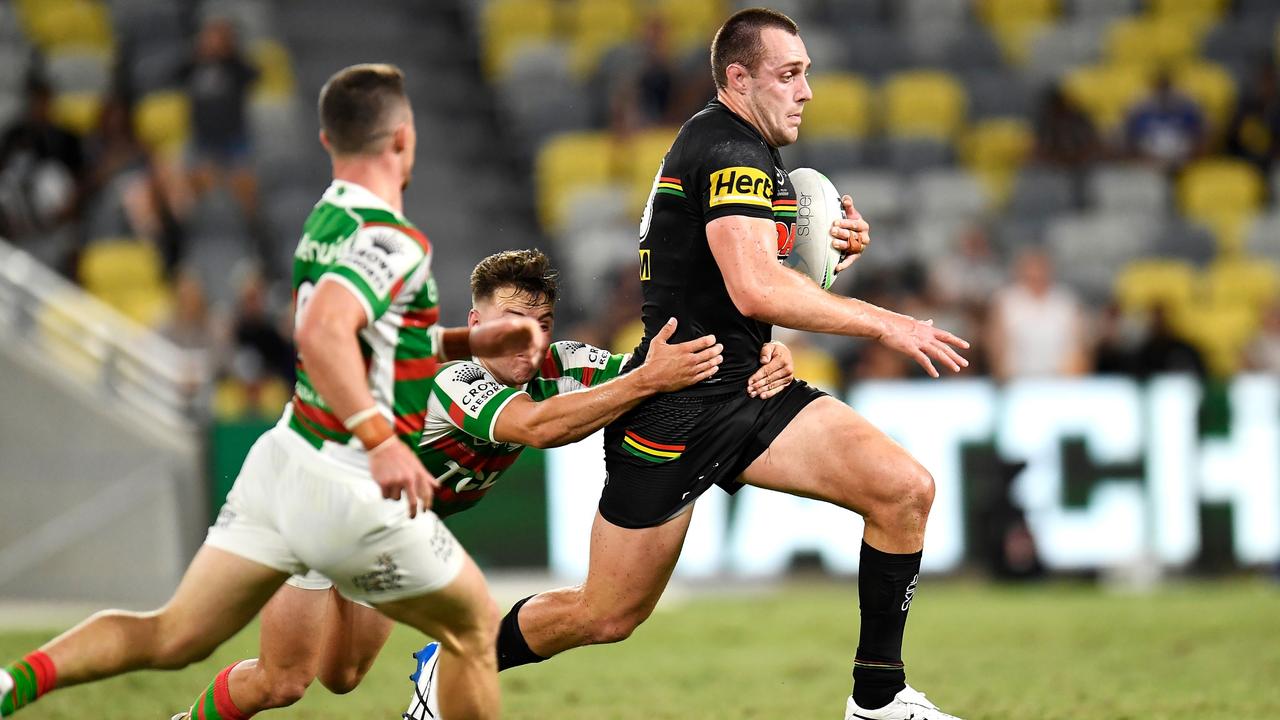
(6, 687)
(908, 704)
(181, 716)
(425, 704)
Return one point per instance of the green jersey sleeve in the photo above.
(376, 262)
(469, 398)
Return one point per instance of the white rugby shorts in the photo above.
(296, 511)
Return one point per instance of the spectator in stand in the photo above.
(1065, 135)
(1254, 131)
(257, 340)
(1036, 327)
(1164, 352)
(1167, 128)
(970, 275)
(42, 174)
(656, 84)
(218, 81)
(1263, 352)
(127, 192)
(1118, 338)
(193, 328)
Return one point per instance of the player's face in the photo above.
(410, 152)
(780, 86)
(506, 302)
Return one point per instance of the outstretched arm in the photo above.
(567, 418)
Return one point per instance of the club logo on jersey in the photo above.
(469, 374)
(786, 239)
(387, 243)
(645, 267)
(741, 186)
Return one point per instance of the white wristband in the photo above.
(382, 445)
(359, 416)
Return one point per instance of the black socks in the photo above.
(886, 584)
(513, 651)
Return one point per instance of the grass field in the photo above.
(1057, 651)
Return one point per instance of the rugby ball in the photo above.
(817, 208)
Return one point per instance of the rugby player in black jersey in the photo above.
(719, 216)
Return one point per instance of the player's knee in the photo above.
(286, 690)
(617, 626)
(341, 681)
(914, 492)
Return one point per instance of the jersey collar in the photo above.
(347, 194)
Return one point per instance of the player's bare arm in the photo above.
(570, 417)
(327, 342)
(745, 249)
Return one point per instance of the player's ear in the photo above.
(473, 317)
(736, 76)
(400, 138)
(324, 141)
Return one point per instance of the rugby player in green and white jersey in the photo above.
(483, 413)
(313, 492)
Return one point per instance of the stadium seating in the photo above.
(1148, 283)
(1151, 43)
(923, 104)
(162, 121)
(129, 276)
(1212, 88)
(67, 23)
(1106, 92)
(1210, 188)
(840, 108)
(508, 24)
(566, 164)
(1121, 187)
(77, 111)
(995, 149)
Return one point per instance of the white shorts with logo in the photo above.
(297, 511)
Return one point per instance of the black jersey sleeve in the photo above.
(736, 177)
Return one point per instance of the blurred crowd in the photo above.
(122, 147)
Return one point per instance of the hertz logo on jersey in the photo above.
(741, 186)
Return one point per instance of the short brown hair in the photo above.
(357, 105)
(527, 272)
(738, 40)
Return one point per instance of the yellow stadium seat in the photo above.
(1151, 43)
(643, 154)
(841, 107)
(1196, 11)
(1213, 89)
(1145, 284)
(109, 266)
(1106, 92)
(1219, 332)
(148, 306)
(1220, 186)
(595, 26)
(67, 23)
(77, 112)
(1015, 23)
(924, 103)
(275, 71)
(508, 24)
(691, 23)
(567, 163)
(1252, 282)
(162, 121)
(995, 149)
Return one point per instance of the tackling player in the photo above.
(481, 414)
(313, 492)
(721, 210)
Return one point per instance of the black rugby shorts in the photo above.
(664, 453)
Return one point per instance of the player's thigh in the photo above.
(629, 568)
(830, 452)
(290, 642)
(219, 594)
(458, 614)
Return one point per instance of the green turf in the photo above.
(1060, 651)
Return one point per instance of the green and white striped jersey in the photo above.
(354, 238)
(457, 443)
